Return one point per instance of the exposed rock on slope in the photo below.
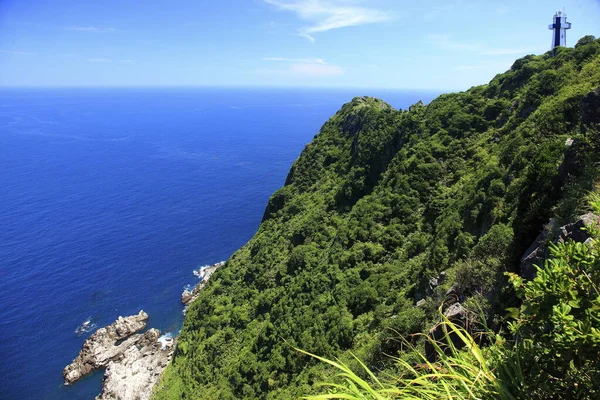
(591, 109)
(458, 315)
(538, 251)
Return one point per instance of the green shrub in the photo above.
(558, 324)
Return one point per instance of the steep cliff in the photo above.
(386, 209)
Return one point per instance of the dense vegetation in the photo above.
(376, 206)
(552, 352)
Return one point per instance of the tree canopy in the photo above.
(374, 209)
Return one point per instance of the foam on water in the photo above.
(86, 326)
(200, 273)
(166, 340)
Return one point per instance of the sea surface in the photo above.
(110, 198)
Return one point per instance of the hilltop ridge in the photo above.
(383, 215)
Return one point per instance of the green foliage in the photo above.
(380, 202)
(558, 323)
(555, 354)
(459, 374)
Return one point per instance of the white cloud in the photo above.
(108, 60)
(373, 67)
(296, 60)
(316, 70)
(325, 15)
(444, 42)
(486, 68)
(304, 71)
(303, 67)
(432, 13)
(503, 10)
(92, 29)
(468, 67)
(509, 51)
(14, 52)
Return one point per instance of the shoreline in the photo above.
(132, 357)
(203, 273)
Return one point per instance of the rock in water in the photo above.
(134, 375)
(133, 361)
(186, 296)
(100, 348)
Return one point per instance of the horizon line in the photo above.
(244, 86)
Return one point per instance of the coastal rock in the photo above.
(105, 345)
(133, 376)
(133, 361)
(187, 297)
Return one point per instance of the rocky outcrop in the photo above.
(105, 345)
(188, 296)
(440, 333)
(433, 283)
(538, 251)
(577, 230)
(573, 163)
(134, 375)
(133, 361)
(590, 110)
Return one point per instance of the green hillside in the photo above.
(378, 204)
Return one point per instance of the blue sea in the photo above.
(110, 198)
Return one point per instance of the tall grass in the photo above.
(458, 374)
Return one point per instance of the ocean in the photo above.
(110, 198)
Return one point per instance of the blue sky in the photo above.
(428, 44)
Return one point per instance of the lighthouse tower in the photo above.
(559, 29)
